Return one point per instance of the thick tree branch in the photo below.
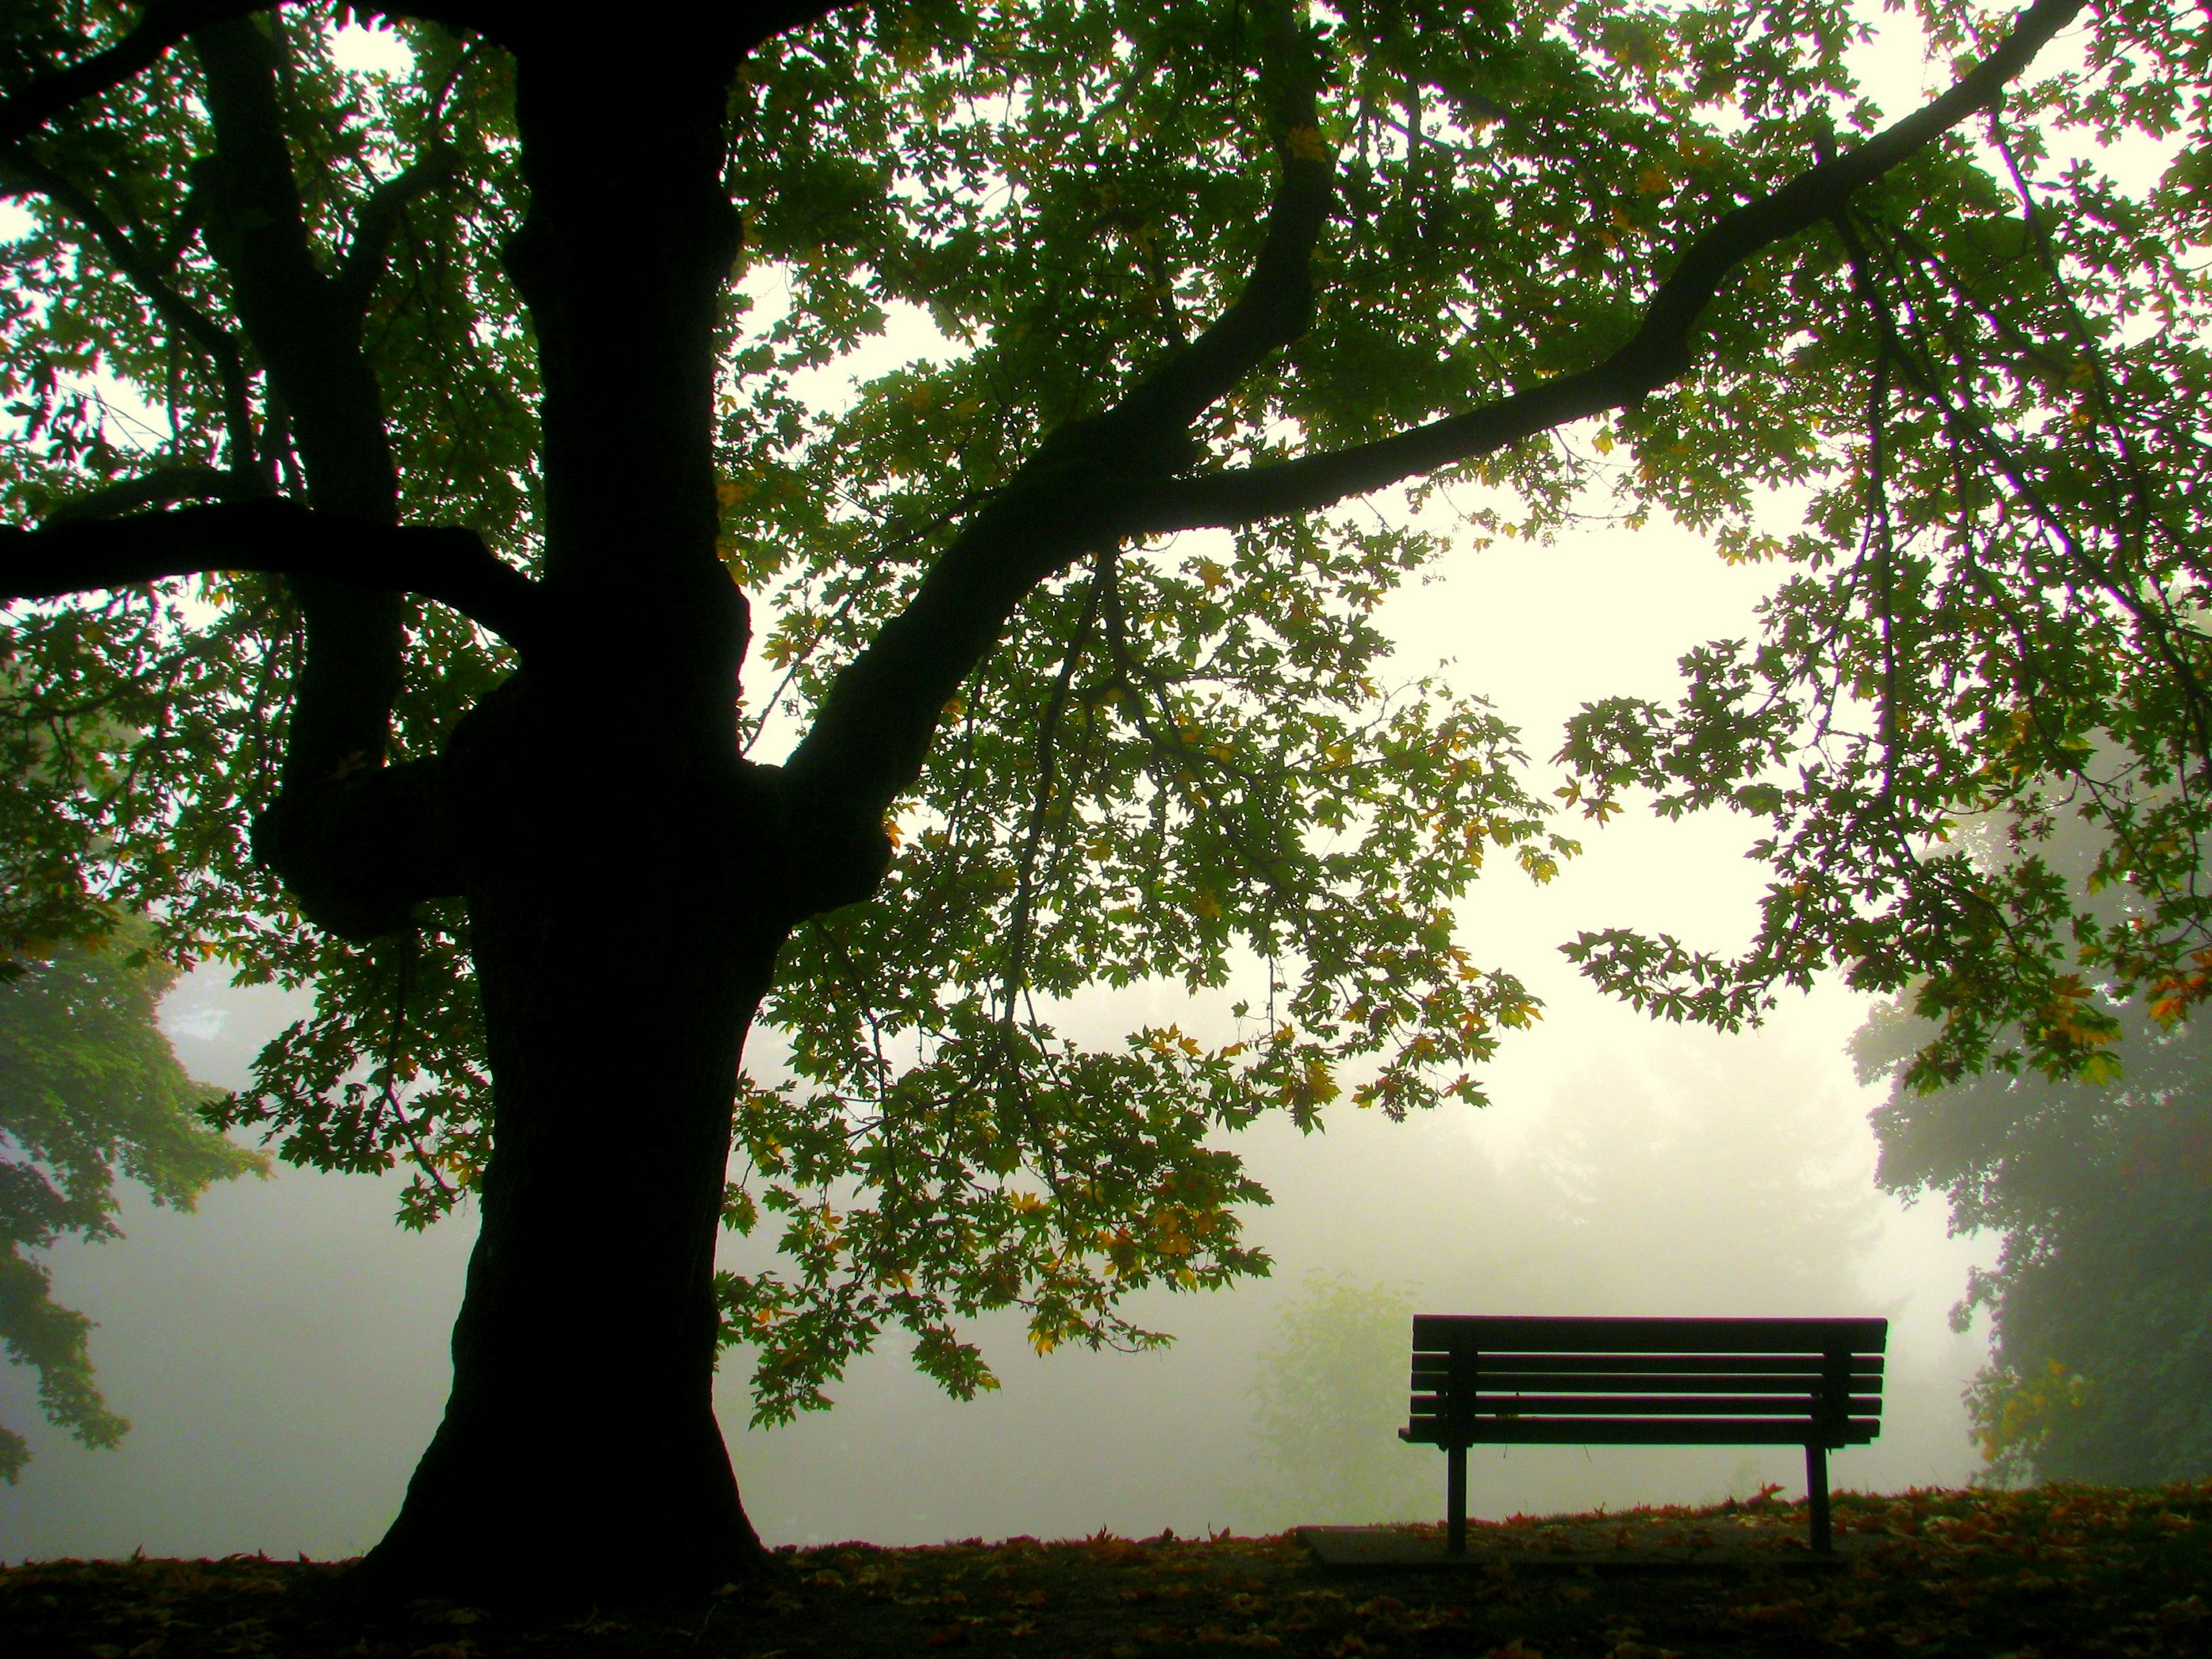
(164, 486)
(163, 24)
(370, 252)
(448, 564)
(166, 22)
(361, 850)
(22, 173)
(1275, 306)
(1105, 479)
(867, 743)
(1663, 349)
(727, 26)
(309, 339)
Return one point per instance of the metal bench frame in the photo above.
(1482, 1380)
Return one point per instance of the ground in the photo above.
(2035, 1574)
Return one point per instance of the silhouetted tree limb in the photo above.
(359, 850)
(370, 252)
(1109, 478)
(307, 334)
(163, 25)
(1276, 304)
(163, 486)
(1662, 349)
(282, 538)
(867, 743)
(23, 174)
(719, 27)
(166, 23)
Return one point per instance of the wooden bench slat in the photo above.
(1527, 1403)
(1439, 1365)
(1808, 1406)
(1548, 1334)
(1488, 1381)
(1641, 1432)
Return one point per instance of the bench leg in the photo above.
(1455, 1500)
(1816, 1491)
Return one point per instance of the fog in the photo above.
(282, 1357)
(281, 1354)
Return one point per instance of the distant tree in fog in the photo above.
(90, 1091)
(1328, 1400)
(2099, 1187)
(2100, 1302)
(1701, 1183)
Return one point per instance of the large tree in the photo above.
(480, 381)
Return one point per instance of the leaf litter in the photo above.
(2040, 1574)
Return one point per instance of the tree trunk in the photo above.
(619, 960)
(619, 862)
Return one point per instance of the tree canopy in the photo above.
(423, 459)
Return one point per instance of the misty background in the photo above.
(281, 1352)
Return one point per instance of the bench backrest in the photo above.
(1494, 1380)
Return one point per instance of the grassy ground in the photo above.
(2038, 1575)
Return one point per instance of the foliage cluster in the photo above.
(1994, 610)
(90, 1091)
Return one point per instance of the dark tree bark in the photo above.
(615, 894)
(618, 861)
(308, 332)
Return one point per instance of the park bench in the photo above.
(1482, 1381)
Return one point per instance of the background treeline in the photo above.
(2100, 1302)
